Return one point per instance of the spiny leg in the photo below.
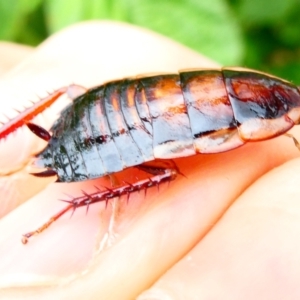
(30, 113)
(156, 167)
(46, 225)
(162, 174)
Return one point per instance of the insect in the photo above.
(136, 121)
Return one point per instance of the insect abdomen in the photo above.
(127, 122)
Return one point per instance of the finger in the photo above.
(214, 176)
(171, 226)
(253, 251)
(188, 211)
(55, 64)
(11, 55)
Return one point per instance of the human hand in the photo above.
(221, 232)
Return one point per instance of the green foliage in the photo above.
(13, 16)
(262, 12)
(272, 35)
(197, 24)
(206, 26)
(258, 33)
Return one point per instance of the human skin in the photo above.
(227, 229)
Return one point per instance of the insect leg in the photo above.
(161, 175)
(159, 166)
(28, 114)
(45, 225)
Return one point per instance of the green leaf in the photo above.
(288, 30)
(29, 6)
(60, 13)
(288, 71)
(262, 12)
(13, 16)
(206, 26)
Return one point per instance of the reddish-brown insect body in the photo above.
(132, 122)
(128, 122)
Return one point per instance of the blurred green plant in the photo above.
(259, 34)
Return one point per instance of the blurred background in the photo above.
(259, 34)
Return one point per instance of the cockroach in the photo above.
(135, 121)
